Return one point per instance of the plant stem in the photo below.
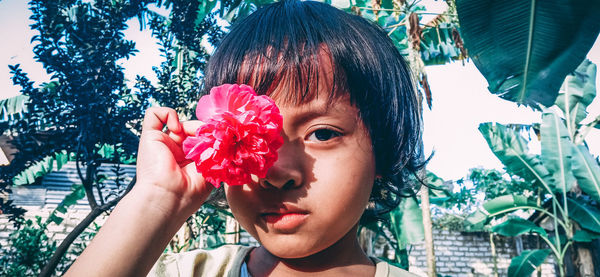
(564, 250)
(559, 257)
(556, 253)
(395, 26)
(494, 255)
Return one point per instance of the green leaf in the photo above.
(527, 262)
(586, 171)
(585, 236)
(407, 222)
(556, 152)
(511, 148)
(77, 193)
(476, 221)
(41, 168)
(438, 192)
(53, 218)
(500, 204)
(526, 48)
(497, 206)
(576, 94)
(518, 226)
(587, 216)
(204, 8)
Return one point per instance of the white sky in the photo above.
(461, 100)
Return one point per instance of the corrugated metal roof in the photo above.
(57, 184)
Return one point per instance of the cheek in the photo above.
(344, 182)
(242, 204)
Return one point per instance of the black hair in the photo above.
(280, 44)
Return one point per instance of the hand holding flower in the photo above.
(162, 168)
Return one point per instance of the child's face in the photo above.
(319, 187)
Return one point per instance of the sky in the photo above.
(461, 100)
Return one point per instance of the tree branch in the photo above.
(66, 243)
(85, 181)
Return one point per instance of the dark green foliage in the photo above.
(526, 48)
(29, 248)
(28, 251)
(86, 104)
(86, 110)
(180, 37)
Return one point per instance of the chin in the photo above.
(292, 249)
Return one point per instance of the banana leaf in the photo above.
(526, 48)
(439, 193)
(585, 236)
(517, 226)
(497, 206)
(557, 152)
(524, 264)
(587, 216)
(407, 222)
(511, 148)
(586, 171)
(576, 94)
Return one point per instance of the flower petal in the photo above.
(240, 138)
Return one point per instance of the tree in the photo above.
(86, 112)
(565, 171)
(525, 49)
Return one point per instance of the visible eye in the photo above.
(323, 135)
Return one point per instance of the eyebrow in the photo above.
(314, 112)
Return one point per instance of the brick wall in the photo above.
(468, 254)
(457, 254)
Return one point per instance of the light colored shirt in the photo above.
(229, 261)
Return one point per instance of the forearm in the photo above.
(134, 236)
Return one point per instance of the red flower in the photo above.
(239, 138)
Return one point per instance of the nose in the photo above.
(286, 172)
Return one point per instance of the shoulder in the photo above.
(384, 269)
(223, 261)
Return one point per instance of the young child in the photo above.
(351, 129)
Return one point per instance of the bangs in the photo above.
(293, 75)
(282, 54)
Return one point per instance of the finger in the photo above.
(196, 180)
(155, 136)
(156, 118)
(176, 137)
(190, 127)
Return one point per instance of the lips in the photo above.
(285, 220)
